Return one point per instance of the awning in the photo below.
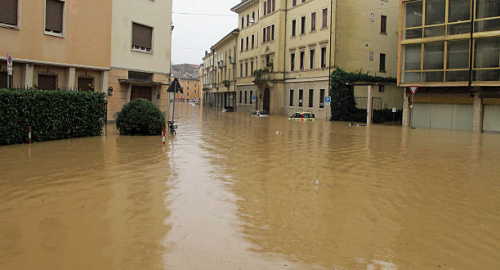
(141, 83)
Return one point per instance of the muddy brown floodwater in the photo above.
(228, 193)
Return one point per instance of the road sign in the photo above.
(413, 89)
(254, 97)
(9, 64)
(328, 99)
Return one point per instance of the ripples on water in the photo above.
(228, 193)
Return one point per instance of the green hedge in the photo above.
(140, 117)
(53, 115)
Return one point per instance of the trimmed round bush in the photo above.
(140, 117)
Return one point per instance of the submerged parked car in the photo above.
(302, 116)
(228, 109)
(258, 113)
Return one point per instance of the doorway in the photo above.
(141, 92)
(267, 101)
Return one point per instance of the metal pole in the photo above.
(412, 105)
(173, 110)
(8, 80)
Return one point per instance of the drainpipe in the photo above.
(330, 43)
(284, 50)
(234, 68)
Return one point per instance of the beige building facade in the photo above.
(140, 57)
(450, 50)
(56, 44)
(287, 49)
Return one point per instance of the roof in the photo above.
(235, 32)
(243, 5)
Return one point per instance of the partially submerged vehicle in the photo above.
(303, 116)
(257, 113)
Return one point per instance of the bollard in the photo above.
(29, 134)
(163, 135)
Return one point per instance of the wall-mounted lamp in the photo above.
(110, 91)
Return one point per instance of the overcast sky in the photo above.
(193, 34)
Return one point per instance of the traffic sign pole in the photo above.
(9, 69)
(413, 90)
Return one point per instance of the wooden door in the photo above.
(144, 92)
(47, 82)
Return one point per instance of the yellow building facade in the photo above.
(450, 50)
(222, 91)
(287, 49)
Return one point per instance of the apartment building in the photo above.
(287, 49)
(119, 47)
(207, 76)
(223, 91)
(191, 88)
(56, 44)
(140, 56)
(450, 49)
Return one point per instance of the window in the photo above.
(302, 55)
(381, 88)
(301, 97)
(291, 98)
(47, 82)
(54, 16)
(322, 98)
(294, 3)
(242, 22)
(264, 34)
(241, 96)
(265, 8)
(325, 18)
(383, 24)
(313, 21)
(245, 97)
(486, 59)
(323, 57)
(248, 19)
(247, 44)
(311, 98)
(294, 26)
(251, 95)
(272, 32)
(382, 63)
(85, 84)
(269, 7)
(292, 61)
(311, 59)
(8, 12)
(241, 70)
(253, 41)
(303, 25)
(253, 17)
(142, 37)
(487, 15)
(141, 76)
(251, 68)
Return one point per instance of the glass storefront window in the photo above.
(435, 11)
(434, 56)
(487, 53)
(459, 10)
(458, 54)
(487, 9)
(413, 14)
(412, 57)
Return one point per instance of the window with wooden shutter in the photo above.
(142, 37)
(54, 11)
(325, 18)
(313, 21)
(383, 24)
(382, 62)
(8, 12)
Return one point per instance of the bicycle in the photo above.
(172, 127)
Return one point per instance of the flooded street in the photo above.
(228, 193)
